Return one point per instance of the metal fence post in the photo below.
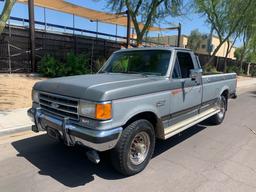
(32, 34)
(97, 28)
(9, 26)
(45, 20)
(73, 24)
(128, 28)
(116, 32)
(9, 57)
(179, 35)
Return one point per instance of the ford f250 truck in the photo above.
(139, 94)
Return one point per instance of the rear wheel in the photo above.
(134, 148)
(219, 117)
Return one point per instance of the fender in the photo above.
(224, 88)
(159, 129)
(142, 109)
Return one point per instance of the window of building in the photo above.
(203, 46)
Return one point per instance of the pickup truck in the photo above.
(139, 94)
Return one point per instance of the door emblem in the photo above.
(176, 91)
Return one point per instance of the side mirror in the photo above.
(196, 75)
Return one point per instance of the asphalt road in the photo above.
(203, 158)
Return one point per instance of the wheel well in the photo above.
(150, 116)
(225, 94)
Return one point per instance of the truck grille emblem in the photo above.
(55, 105)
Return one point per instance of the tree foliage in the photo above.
(237, 53)
(6, 13)
(227, 17)
(248, 34)
(148, 12)
(247, 54)
(195, 39)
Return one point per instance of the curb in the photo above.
(14, 130)
(20, 75)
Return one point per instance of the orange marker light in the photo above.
(103, 111)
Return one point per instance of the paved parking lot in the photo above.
(203, 158)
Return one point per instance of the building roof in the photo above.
(94, 15)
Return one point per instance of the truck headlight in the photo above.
(35, 96)
(100, 111)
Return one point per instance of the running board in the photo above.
(181, 126)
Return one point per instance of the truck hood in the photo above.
(100, 87)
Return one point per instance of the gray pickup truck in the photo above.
(138, 95)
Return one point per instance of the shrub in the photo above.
(234, 69)
(49, 66)
(253, 72)
(72, 65)
(76, 64)
(209, 69)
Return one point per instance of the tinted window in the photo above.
(183, 65)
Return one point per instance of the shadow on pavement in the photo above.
(253, 93)
(164, 145)
(70, 166)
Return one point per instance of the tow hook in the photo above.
(93, 156)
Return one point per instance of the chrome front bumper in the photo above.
(99, 140)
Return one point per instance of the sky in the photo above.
(189, 21)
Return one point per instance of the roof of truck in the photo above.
(154, 48)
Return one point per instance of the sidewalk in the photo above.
(243, 84)
(14, 121)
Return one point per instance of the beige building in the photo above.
(172, 40)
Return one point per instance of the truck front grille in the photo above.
(59, 105)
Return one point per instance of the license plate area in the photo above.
(47, 123)
(53, 133)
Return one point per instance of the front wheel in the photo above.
(219, 117)
(134, 148)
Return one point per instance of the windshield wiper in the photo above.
(136, 72)
(152, 73)
(103, 72)
(145, 73)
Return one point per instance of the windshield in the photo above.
(146, 62)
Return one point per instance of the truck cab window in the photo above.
(183, 65)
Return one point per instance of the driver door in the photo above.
(186, 98)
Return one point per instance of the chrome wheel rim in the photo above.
(222, 109)
(139, 148)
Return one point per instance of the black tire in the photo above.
(121, 154)
(219, 117)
